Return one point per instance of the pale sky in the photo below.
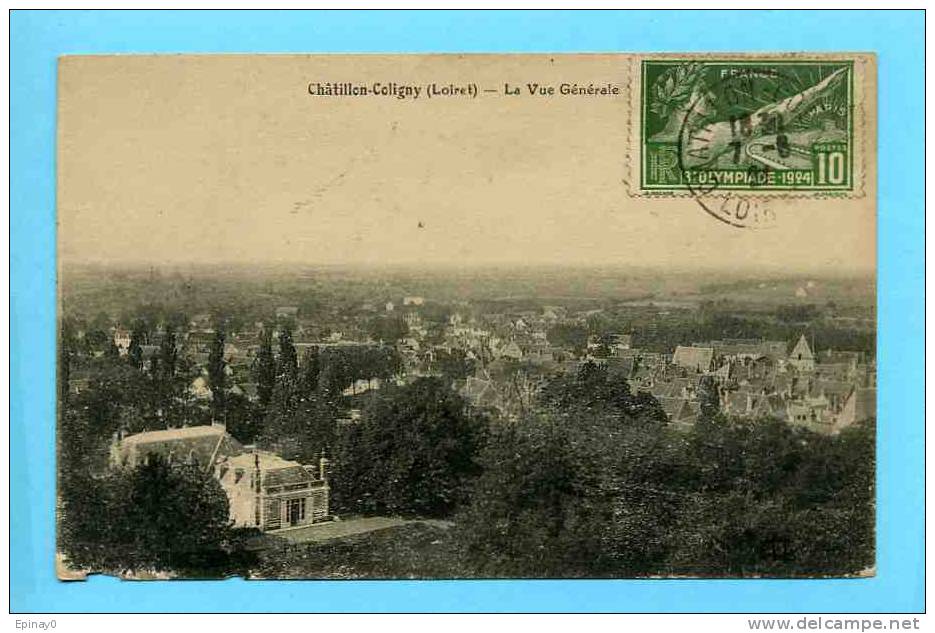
(177, 159)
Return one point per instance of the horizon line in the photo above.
(700, 268)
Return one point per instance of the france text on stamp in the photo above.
(784, 125)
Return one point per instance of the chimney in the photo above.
(256, 470)
(323, 467)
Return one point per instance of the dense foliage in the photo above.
(713, 324)
(414, 452)
(156, 517)
(592, 489)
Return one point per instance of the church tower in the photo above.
(801, 356)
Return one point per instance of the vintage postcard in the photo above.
(467, 316)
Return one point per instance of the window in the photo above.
(295, 510)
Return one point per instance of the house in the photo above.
(200, 341)
(410, 344)
(722, 373)
(362, 385)
(679, 411)
(836, 391)
(619, 342)
(553, 313)
(838, 365)
(78, 385)
(747, 349)
(511, 350)
(812, 413)
(122, 340)
(148, 353)
(263, 489)
(859, 406)
(200, 389)
(738, 403)
(770, 406)
(201, 321)
(697, 359)
(676, 388)
(287, 312)
(271, 493)
(801, 356)
(234, 354)
(480, 392)
(200, 445)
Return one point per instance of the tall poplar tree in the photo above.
(264, 369)
(168, 354)
(311, 367)
(288, 359)
(217, 379)
(135, 350)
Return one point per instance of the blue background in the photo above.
(37, 38)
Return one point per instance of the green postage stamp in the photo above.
(747, 124)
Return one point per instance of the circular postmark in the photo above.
(723, 161)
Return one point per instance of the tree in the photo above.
(178, 514)
(157, 516)
(573, 337)
(454, 365)
(334, 375)
(529, 506)
(598, 485)
(709, 397)
(264, 369)
(594, 390)
(279, 431)
(111, 350)
(311, 368)
(66, 350)
(135, 350)
(414, 452)
(771, 499)
(288, 360)
(388, 329)
(115, 399)
(168, 353)
(315, 426)
(571, 494)
(217, 378)
(243, 419)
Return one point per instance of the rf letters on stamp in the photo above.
(467, 316)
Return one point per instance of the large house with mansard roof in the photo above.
(263, 490)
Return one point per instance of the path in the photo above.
(349, 527)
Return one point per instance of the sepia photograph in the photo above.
(540, 316)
